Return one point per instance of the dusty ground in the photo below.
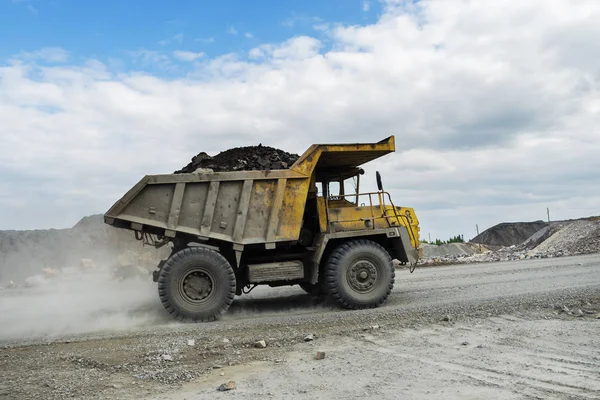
(525, 329)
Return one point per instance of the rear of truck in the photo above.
(309, 225)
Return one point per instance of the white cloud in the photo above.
(300, 19)
(175, 38)
(232, 31)
(152, 59)
(366, 6)
(495, 108)
(187, 55)
(299, 48)
(46, 54)
(248, 35)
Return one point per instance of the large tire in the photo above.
(196, 284)
(359, 274)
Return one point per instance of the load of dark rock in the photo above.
(249, 158)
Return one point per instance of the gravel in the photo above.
(557, 240)
(131, 363)
(508, 233)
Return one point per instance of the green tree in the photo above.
(438, 242)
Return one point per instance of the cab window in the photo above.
(334, 190)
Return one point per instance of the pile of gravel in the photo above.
(449, 249)
(249, 158)
(509, 233)
(576, 237)
(559, 239)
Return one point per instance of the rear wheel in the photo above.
(196, 284)
(359, 274)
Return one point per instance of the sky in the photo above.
(494, 104)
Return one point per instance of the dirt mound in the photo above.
(557, 239)
(449, 249)
(249, 158)
(509, 233)
(579, 237)
(540, 236)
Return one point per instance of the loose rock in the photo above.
(227, 386)
(447, 318)
(309, 338)
(261, 344)
(250, 158)
(191, 342)
(320, 355)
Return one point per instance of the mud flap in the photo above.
(157, 270)
(404, 250)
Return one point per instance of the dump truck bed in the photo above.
(243, 207)
(240, 207)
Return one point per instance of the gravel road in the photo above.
(526, 329)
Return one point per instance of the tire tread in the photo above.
(177, 259)
(335, 262)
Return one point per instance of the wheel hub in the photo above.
(362, 275)
(197, 286)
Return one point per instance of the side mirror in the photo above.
(379, 184)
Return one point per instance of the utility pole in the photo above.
(548, 212)
(429, 237)
(477, 227)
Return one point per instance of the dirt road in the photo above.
(524, 329)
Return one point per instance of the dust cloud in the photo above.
(78, 302)
(265, 302)
(75, 301)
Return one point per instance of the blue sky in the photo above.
(112, 29)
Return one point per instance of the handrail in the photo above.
(408, 224)
(384, 212)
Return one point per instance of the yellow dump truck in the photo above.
(308, 225)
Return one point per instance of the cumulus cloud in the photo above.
(495, 108)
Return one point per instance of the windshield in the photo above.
(347, 190)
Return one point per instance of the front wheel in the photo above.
(359, 274)
(196, 284)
